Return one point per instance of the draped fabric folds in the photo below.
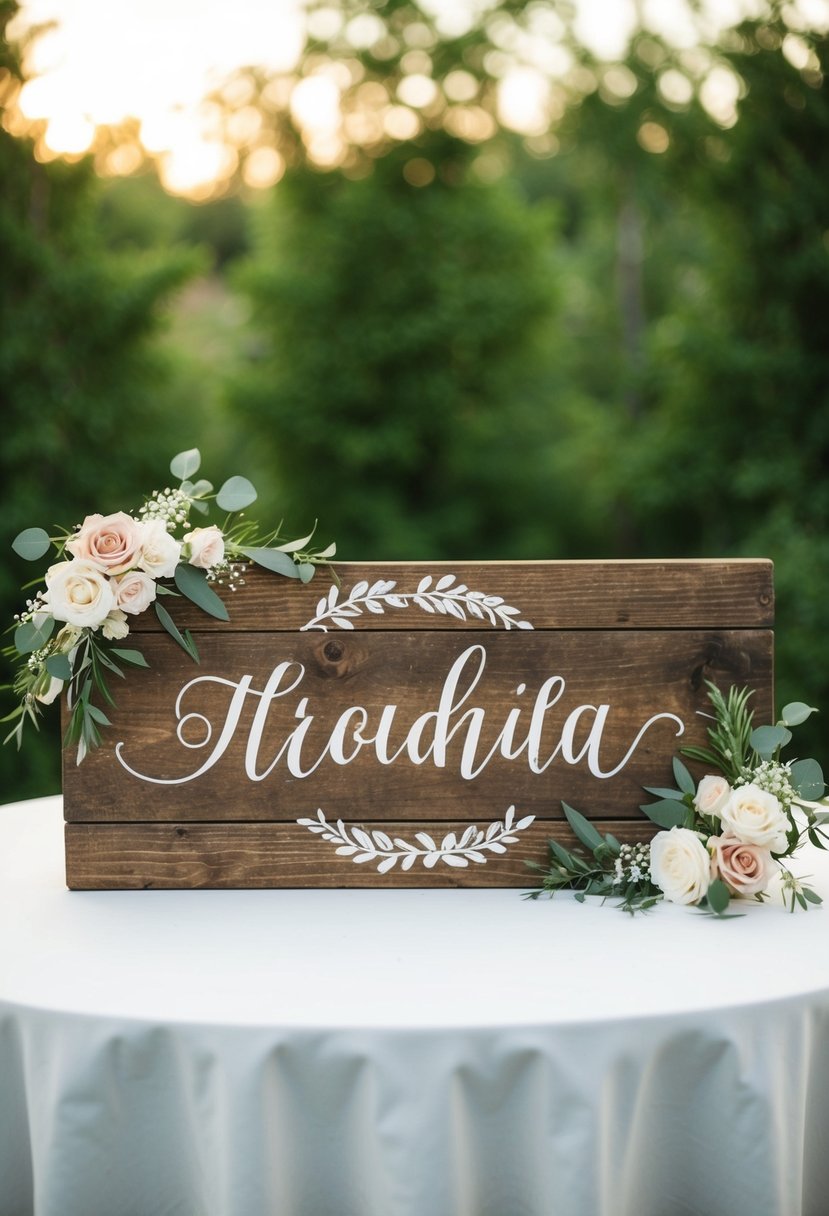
(401, 1053)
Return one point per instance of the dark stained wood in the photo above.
(143, 856)
(636, 673)
(640, 638)
(692, 594)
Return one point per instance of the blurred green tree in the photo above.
(407, 357)
(81, 383)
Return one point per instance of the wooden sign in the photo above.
(419, 725)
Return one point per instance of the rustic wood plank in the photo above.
(636, 673)
(140, 856)
(724, 594)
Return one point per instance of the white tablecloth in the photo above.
(409, 1053)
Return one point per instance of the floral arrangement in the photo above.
(112, 568)
(728, 837)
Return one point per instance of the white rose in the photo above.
(134, 591)
(115, 626)
(206, 546)
(712, 795)
(52, 691)
(755, 816)
(79, 593)
(680, 865)
(160, 552)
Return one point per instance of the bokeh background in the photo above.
(457, 279)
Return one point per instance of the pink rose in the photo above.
(744, 868)
(206, 547)
(134, 591)
(712, 794)
(110, 542)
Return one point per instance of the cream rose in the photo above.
(712, 795)
(51, 691)
(110, 542)
(756, 817)
(115, 627)
(160, 552)
(680, 865)
(134, 591)
(744, 868)
(79, 593)
(206, 547)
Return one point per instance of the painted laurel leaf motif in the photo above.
(364, 846)
(445, 598)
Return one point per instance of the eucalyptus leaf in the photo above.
(193, 583)
(31, 544)
(295, 546)
(31, 636)
(273, 559)
(807, 779)
(306, 571)
(683, 778)
(659, 792)
(583, 830)
(185, 464)
(795, 713)
(58, 665)
(718, 896)
(667, 813)
(185, 642)
(130, 656)
(767, 739)
(236, 494)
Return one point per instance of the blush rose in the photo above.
(680, 865)
(746, 869)
(206, 547)
(134, 592)
(712, 794)
(110, 542)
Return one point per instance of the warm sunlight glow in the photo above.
(152, 63)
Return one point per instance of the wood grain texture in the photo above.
(143, 856)
(206, 769)
(728, 594)
(637, 674)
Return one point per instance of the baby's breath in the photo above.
(774, 777)
(171, 506)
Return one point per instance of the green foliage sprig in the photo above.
(723, 838)
(112, 568)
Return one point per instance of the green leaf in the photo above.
(795, 713)
(294, 546)
(185, 464)
(807, 779)
(683, 778)
(200, 506)
(718, 896)
(668, 813)
(306, 571)
(58, 665)
(192, 582)
(583, 830)
(273, 559)
(767, 739)
(563, 857)
(662, 793)
(98, 715)
(196, 489)
(235, 494)
(29, 636)
(812, 896)
(31, 544)
(185, 641)
(130, 656)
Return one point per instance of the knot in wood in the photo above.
(333, 651)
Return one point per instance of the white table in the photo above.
(410, 1053)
